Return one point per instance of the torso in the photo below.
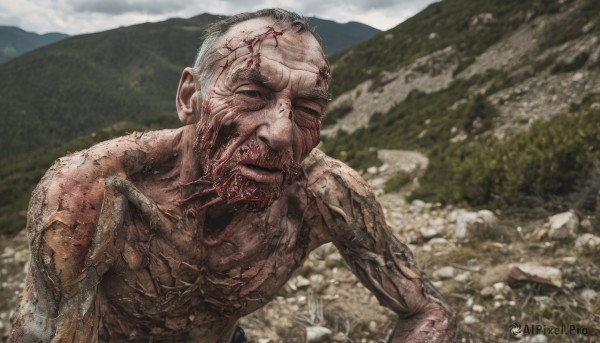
(209, 276)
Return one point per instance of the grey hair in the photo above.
(206, 58)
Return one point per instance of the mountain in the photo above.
(87, 82)
(503, 97)
(487, 110)
(15, 41)
(337, 37)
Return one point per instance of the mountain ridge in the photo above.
(15, 41)
(86, 82)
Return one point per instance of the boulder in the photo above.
(587, 241)
(563, 225)
(534, 272)
(315, 334)
(474, 224)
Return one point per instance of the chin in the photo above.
(246, 194)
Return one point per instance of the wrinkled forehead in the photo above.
(296, 50)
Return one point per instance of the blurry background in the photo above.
(477, 123)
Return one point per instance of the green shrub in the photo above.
(577, 62)
(550, 160)
(396, 182)
(331, 117)
(571, 27)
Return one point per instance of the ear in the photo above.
(186, 97)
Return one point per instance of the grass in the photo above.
(451, 20)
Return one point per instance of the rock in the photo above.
(463, 219)
(372, 170)
(587, 241)
(488, 217)
(487, 292)
(499, 287)
(589, 295)
(8, 252)
(473, 224)
(437, 222)
(417, 205)
(536, 273)
(340, 337)
(384, 167)
(470, 320)
(302, 282)
(478, 308)
(316, 280)
(264, 340)
(440, 243)
(443, 273)
(577, 77)
(22, 256)
(563, 225)
(462, 277)
(429, 232)
(317, 334)
(535, 339)
(372, 326)
(377, 183)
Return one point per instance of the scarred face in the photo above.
(262, 116)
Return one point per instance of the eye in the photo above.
(250, 93)
(310, 111)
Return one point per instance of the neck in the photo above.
(196, 189)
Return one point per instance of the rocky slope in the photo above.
(494, 270)
(544, 77)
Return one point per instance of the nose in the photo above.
(276, 131)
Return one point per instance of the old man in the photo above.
(174, 235)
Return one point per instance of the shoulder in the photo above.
(325, 174)
(343, 199)
(122, 156)
(72, 190)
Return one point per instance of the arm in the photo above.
(356, 225)
(72, 223)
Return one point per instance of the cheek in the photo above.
(306, 136)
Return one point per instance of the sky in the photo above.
(86, 16)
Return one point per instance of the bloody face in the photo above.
(261, 117)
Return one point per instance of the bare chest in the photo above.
(223, 272)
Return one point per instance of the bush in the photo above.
(396, 182)
(331, 117)
(550, 160)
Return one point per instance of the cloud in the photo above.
(84, 16)
(128, 6)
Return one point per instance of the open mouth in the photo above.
(262, 174)
(262, 168)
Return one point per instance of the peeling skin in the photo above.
(174, 235)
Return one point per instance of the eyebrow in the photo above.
(256, 77)
(250, 75)
(316, 94)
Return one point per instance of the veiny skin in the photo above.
(174, 235)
